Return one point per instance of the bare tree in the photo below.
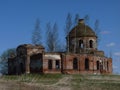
(97, 30)
(75, 23)
(55, 37)
(4, 59)
(36, 35)
(8, 53)
(87, 18)
(77, 17)
(50, 46)
(68, 27)
(52, 37)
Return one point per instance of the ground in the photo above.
(60, 82)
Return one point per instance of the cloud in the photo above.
(115, 66)
(117, 54)
(110, 44)
(105, 32)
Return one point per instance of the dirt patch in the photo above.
(62, 84)
(22, 86)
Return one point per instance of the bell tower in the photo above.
(82, 39)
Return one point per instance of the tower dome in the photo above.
(81, 38)
(82, 30)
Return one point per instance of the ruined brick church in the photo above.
(81, 57)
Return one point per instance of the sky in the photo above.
(17, 21)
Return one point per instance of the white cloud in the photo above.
(110, 44)
(115, 67)
(105, 32)
(117, 54)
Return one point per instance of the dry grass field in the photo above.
(60, 82)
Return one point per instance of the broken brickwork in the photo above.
(82, 56)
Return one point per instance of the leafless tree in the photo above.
(75, 23)
(97, 30)
(77, 17)
(55, 37)
(52, 37)
(68, 27)
(49, 37)
(4, 59)
(87, 18)
(36, 35)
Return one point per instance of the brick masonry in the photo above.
(81, 57)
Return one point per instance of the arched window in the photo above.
(86, 64)
(50, 64)
(75, 64)
(107, 65)
(81, 43)
(91, 43)
(57, 65)
(98, 65)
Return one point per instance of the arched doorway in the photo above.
(75, 64)
(36, 63)
(107, 65)
(98, 65)
(86, 64)
(22, 70)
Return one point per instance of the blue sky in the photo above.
(17, 20)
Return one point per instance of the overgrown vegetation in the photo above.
(96, 82)
(34, 78)
(61, 81)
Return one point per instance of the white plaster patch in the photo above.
(35, 50)
(53, 56)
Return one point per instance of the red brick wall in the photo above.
(68, 64)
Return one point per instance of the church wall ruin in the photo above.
(82, 56)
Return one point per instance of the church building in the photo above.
(82, 56)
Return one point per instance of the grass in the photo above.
(34, 78)
(72, 82)
(96, 82)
